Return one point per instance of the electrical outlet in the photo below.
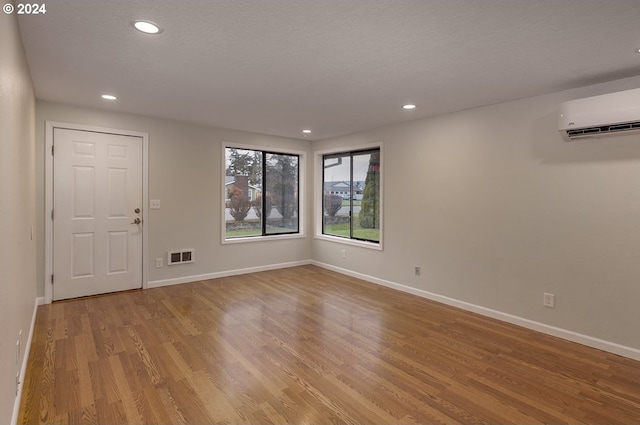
(159, 262)
(17, 383)
(416, 270)
(344, 254)
(549, 300)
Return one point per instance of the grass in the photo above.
(241, 233)
(339, 229)
(342, 229)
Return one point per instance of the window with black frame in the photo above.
(261, 193)
(351, 195)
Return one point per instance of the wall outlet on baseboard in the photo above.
(549, 300)
(159, 263)
(416, 270)
(344, 254)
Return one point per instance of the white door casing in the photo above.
(98, 192)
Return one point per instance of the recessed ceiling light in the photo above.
(409, 106)
(147, 27)
(108, 97)
(306, 131)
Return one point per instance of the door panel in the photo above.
(97, 187)
(118, 252)
(82, 255)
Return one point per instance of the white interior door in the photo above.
(97, 217)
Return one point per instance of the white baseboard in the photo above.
(589, 341)
(195, 278)
(25, 362)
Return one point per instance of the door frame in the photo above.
(48, 234)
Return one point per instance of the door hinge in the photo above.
(51, 214)
(52, 149)
(52, 279)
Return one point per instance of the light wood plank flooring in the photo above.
(308, 346)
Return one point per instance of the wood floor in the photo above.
(308, 346)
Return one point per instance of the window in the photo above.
(351, 201)
(261, 193)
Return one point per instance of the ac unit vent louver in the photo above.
(605, 129)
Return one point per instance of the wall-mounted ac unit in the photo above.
(599, 116)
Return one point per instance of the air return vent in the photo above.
(181, 257)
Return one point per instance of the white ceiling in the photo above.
(334, 66)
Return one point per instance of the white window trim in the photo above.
(301, 194)
(319, 191)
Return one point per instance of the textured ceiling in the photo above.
(334, 66)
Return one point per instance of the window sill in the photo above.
(262, 238)
(354, 242)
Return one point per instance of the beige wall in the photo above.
(185, 163)
(497, 209)
(17, 208)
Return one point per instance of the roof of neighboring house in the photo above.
(342, 185)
